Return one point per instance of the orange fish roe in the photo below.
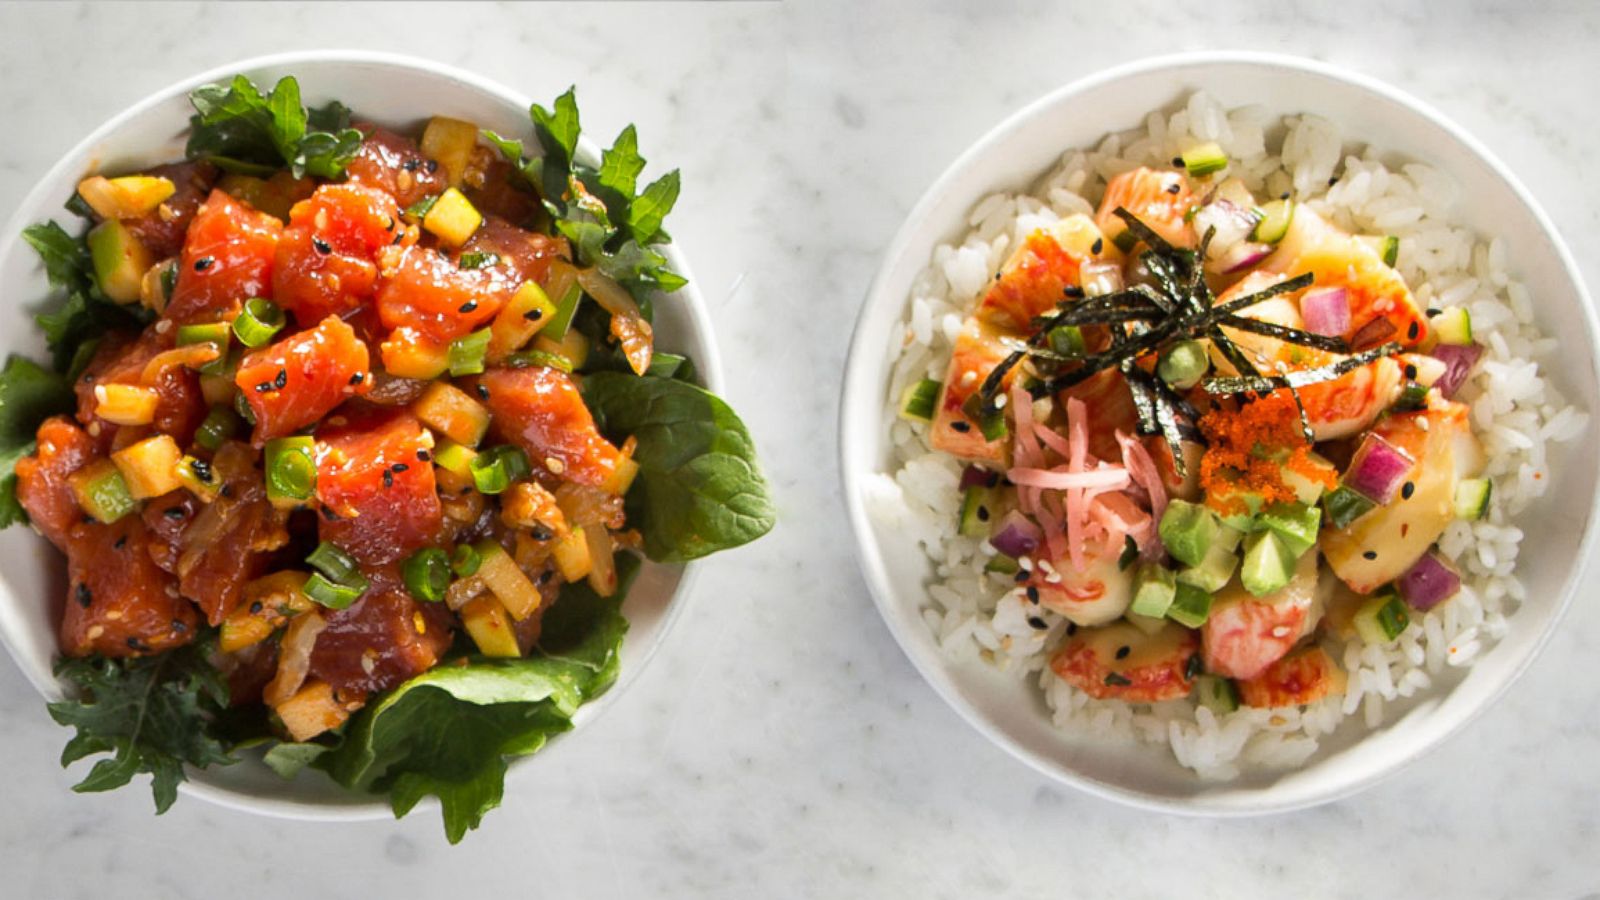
(1243, 438)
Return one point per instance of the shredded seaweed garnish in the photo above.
(1146, 318)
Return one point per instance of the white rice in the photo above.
(1514, 410)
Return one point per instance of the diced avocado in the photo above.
(976, 512)
(1381, 619)
(1216, 694)
(119, 259)
(1268, 563)
(1188, 531)
(1191, 606)
(1144, 623)
(1452, 326)
(1153, 589)
(1295, 523)
(1472, 498)
(1216, 569)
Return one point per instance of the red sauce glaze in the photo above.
(427, 291)
(540, 410)
(496, 190)
(396, 166)
(371, 479)
(119, 602)
(325, 264)
(42, 487)
(298, 380)
(381, 640)
(167, 516)
(161, 230)
(119, 360)
(522, 255)
(227, 259)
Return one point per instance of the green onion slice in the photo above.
(334, 563)
(220, 424)
(467, 353)
(466, 561)
(494, 469)
(427, 574)
(258, 322)
(291, 468)
(331, 594)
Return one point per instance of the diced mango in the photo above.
(150, 467)
(407, 354)
(453, 218)
(519, 320)
(489, 624)
(451, 142)
(124, 198)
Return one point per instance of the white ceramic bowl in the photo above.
(391, 90)
(1560, 528)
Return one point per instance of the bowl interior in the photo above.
(396, 92)
(1019, 151)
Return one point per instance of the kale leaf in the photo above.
(699, 489)
(28, 394)
(597, 209)
(152, 714)
(72, 329)
(242, 130)
(450, 732)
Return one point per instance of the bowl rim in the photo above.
(917, 646)
(708, 363)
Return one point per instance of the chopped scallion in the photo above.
(220, 424)
(466, 560)
(291, 469)
(427, 574)
(257, 322)
(332, 594)
(333, 562)
(467, 353)
(494, 469)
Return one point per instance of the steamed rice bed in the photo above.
(1515, 413)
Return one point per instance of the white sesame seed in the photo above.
(1281, 631)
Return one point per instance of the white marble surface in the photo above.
(780, 745)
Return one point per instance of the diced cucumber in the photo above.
(1268, 563)
(1452, 326)
(1381, 619)
(1274, 223)
(1216, 694)
(1000, 564)
(1295, 523)
(1472, 498)
(119, 259)
(1191, 606)
(1413, 396)
(1183, 364)
(1390, 250)
(1204, 159)
(1188, 531)
(976, 511)
(1344, 506)
(920, 399)
(1153, 589)
(102, 492)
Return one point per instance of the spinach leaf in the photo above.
(152, 714)
(28, 394)
(450, 732)
(699, 489)
(242, 130)
(86, 314)
(596, 209)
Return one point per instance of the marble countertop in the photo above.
(780, 745)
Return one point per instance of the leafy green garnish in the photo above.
(699, 489)
(28, 394)
(152, 714)
(612, 225)
(86, 314)
(242, 130)
(451, 731)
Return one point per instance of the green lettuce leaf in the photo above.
(29, 393)
(450, 732)
(71, 329)
(699, 488)
(152, 714)
(242, 130)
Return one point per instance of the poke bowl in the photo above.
(397, 96)
(1040, 610)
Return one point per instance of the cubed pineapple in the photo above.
(150, 467)
(124, 198)
(453, 218)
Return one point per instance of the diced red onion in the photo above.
(1233, 223)
(1428, 583)
(1241, 257)
(1017, 535)
(1458, 361)
(977, 476)
(1099, 278)
(1378, 470)
(1326, 311)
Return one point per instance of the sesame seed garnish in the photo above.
(1098, 245)
(1412, 331)
(85, 596)
(357, 378)
(388, 478)
(468, 306)
(1370, 555)
(534, 315)
(1123, 651)
(483, 391)
(1033, 594)
(399, 467)
(321, 246)
(203, 263)
(424, 455)
(961, 427)
(1037, 623)
(1174, 188)
(554, 465)
(1406, 490)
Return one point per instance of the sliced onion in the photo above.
(628, 326)
(1017, 535)
(1458, 361)
(1233, 224)
(294, 657)
(977, 476)
(1428, 583)
(1241, 257)
(1326, 311)
(1378, 470)
(1099, 278)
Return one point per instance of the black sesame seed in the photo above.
(179, 627)
(255, 607)
(121, 542)
(357, 378)
(398, 238)
(203, 263)
(983, 513)
(961, 427)
(1123, 651)
(1406, 490)
(546, 575)
(1033, 593)
(399, 467)
(1117, 680)
(1333, 181)
(1193, 666)
(85, 596)
(329, 514)
(468, 306)
(1073, 290)
(1411, 372)
(202, 471)
(433, 166)
(1174, 188)
(227, 491)
(1434, 311)
(1072, 628)
(424, 455)
(1283, 196)
(1177, 161)
(1370, 554)
(410, 165)
(391, 224)
(1098, 245)
(135, 644)
(321, 246)
(1411, 331)
(483, 391)
(1021, 576)
(541, 533)
(1037, 623)
(388, 478)
(534, 315)
(282, 381)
